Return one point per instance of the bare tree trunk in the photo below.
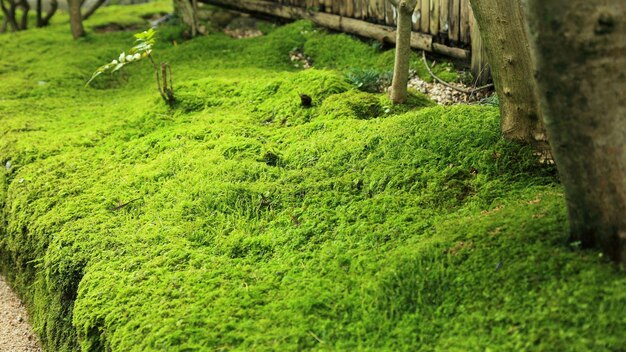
(76, 21)
(501, 25)
(5, 19)
(39, 13)
(23, 4)
(9, 14)
(53, 9)
(93, 9)
(579, 50)
(403, 50)
(194, 28)
(187, 10)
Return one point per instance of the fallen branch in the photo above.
(459, 89)
(124, 205)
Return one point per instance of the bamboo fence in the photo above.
(446, 27)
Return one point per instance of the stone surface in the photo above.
(16, 335)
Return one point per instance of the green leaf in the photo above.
(118, 66)
(145, 42)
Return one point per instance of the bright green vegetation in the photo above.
(239, 220)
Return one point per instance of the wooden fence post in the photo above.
(479, 65)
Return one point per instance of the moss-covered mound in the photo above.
(240, 219)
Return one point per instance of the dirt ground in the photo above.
(16, 335)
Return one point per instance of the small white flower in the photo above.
(122, 57)
(129, 58)
(114, 62)
(137, 56)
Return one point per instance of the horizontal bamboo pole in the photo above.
(456, 53)
(344, 24)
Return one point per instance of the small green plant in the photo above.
(163, 72)
(492, 100)
(368, 80)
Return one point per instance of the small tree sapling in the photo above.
(163, 72)
(405, 9)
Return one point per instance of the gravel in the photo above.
(445, 95)
(16, 335)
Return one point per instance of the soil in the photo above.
(16, 334)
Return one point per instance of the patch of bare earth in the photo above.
(16, 335)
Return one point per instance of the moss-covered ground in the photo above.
(239, 220)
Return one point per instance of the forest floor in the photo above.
(239, 219)
(16, 335)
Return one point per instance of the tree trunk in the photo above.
(5, 20)
(39, 12)
(479, 65)
(579, 47)
(9, 15)
(184, 9)
(194, 9)
(76, 21)
(25, 8)
(403, 50)
(53, 9)
(93, 9)
(501, 25)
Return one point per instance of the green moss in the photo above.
(442, 67)
(352, 104)
(241, 220)
(354, 53)
(278, 101)
(415, 100)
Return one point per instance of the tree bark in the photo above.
(579, 47)
(23, 4)
(184, 9)
(9, 15)
(39, 12)
(93, 9)
(5, 19)
(501, 25)
(76, 21)
(194, 16)
(53, 9)
(403, 50)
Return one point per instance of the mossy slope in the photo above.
(239, 220)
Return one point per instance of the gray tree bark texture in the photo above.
(502, 28)
(579, 49)
(76, 20)
(405, 9)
